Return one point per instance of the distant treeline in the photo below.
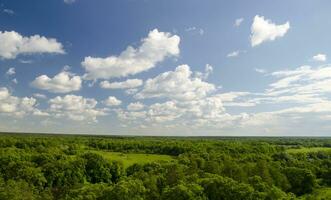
(62, 167)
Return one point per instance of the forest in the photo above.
(80, 167)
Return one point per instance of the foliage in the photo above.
(149, 168)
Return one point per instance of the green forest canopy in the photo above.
(100, 167)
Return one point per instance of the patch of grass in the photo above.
(309, 150)
(129, 159)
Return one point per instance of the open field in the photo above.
(129, 159)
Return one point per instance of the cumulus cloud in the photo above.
(178, 84)
(154, 49)
(300, 94)
(112, 101)
(320, 57)
(130, 83)
(4, 93)
(75, 108)
(263, 30)
(63, 82)
(11, 71)
(130, 116)
(135, 106)
(164, 112)
(238, 22)
(15, 106)
(14, 44)
(41, 113)
(208, 109)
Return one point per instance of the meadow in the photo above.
(128, 159)
(84, 167)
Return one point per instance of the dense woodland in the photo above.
(68, 167)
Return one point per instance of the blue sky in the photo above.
(166, 67)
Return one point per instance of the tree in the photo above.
(184, 192)
(302, 180)
(16, 190)
(218, 188)
(264, 191)
(127, 189)
(97, 168)
(88, 192)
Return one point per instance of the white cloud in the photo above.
(4, 93)
(263, 30)
(260, 70)
(231, 96)
(238, 22)
(112, 101)
(135, 106)
(15, 106)
(40, 96)
(195, 30)
(15, 81)
(130, 116)
(208, 70)
(303, 80)
(26, 61)
(163, 112)
(154, 49)
(11, 71)
(298, 96)
(178, 84)
(303, 85)
(233, 54)
(209, 110)
(130, 83)
(13, 44)
(320, 57)
(38, 112)
(131, 91)
(69, 1)
(8, 11)
(63, 82)
(75, 108)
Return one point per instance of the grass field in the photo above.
(309, 150)
(129, 159)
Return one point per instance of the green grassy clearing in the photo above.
(309, 150)
(129, 159)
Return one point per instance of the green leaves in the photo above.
(76, 167)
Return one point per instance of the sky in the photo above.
(155, 67)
